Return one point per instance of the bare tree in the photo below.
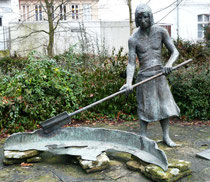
(53, 13)
(53, 21)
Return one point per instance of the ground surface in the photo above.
(193, 139)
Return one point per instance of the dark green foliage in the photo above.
(197, 51)
(35, 93)
(207, 32)
(103, 76)
(35, 89)
(8, 65)
(106, 80)
(190, 88)
(190, 85)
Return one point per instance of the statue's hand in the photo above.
(128, 87)
(167, 69)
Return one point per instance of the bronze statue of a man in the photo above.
(155, 101)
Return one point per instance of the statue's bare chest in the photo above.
(146, 43)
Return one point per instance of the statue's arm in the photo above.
(168, 42)
(131, 61)
(131, 64)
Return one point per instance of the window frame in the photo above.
(87, 11)
(38, 13)
(74, 11)
(62, 12)
(201, 24)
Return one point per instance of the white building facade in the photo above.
(184, 18)
(9, 12)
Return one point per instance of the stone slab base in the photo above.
(100, 164)
(176, 170)
(20, 154)
(17, 157)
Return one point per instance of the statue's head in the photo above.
(145, 11)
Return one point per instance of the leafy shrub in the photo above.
(37, 92)
(190, 88)
(190, 85)
(8, 65)
(35, 89)
(197, 51)
(207, 32)
(104, 76)
(189, 50)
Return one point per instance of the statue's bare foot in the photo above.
(169, 142)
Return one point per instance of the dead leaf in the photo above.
(23, 164)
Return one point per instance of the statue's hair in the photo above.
(142, 8)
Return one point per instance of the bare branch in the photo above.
(30, 34)
(34, 29)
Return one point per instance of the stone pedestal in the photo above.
(100, 164)
(17, 157)
(176, 170)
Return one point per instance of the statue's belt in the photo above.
(150, 71)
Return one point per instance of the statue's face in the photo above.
(143, 19)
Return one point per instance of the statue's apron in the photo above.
(155, 100)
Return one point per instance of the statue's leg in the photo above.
(143, 128)
(166, 138)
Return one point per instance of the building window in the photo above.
(86, 12)
(38, 13)
(25, 12)
(203, 21)
(0, 21)
(75, 11)
(28, 13)
(62, 12)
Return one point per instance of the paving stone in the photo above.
(117, 174)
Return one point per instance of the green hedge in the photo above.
(35, 93)
(39, 88)
(190, 88)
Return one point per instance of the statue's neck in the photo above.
(146, 31)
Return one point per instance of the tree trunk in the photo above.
(51, 39)
(130, 16)
(50, 45)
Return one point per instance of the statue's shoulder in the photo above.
(134, 37)
(158, 29)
